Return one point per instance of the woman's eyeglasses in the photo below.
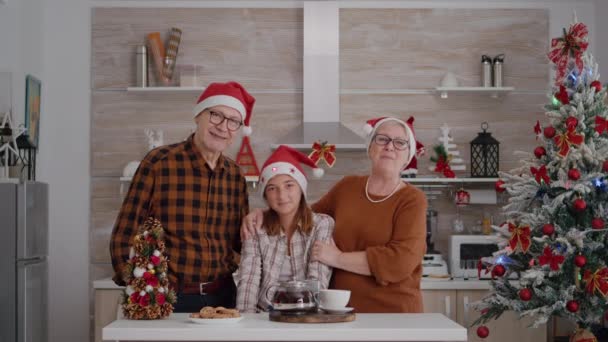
(383, 140)
(218, 118)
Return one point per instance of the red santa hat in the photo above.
(229, 94)
(287, 161)
(372, 125)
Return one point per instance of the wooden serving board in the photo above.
(317, 317)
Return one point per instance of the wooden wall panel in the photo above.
(413, 48)
(262, 48)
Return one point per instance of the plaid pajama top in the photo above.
(262, 258)
(200, 208)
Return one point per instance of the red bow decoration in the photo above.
(597, 281)
(540, 174)
(563, 141)
(537, 129)
(572, 44)
(600, 124)
(520, 237)
(481, 267)
(323, 151)
(444, 166)
(549, 258)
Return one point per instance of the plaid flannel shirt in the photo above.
(263, 256)
(200, 208)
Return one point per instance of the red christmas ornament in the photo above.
(572, 306)
(574, 174)
(571, 122)
(498, 186)
(483, 331)
(580, 260)
(548, 229)
(498, 270)
(579, 205)
(597, 223)
(539, 152)
(549, 132)
(597, 85)
(160, 298)
(155, 260)
(605, 166)
(525, 294)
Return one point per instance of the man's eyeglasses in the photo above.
(383, 140)
(218, 118)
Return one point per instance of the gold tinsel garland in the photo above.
(147, 295)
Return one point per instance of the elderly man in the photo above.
(200, 197)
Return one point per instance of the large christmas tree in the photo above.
(555, 236)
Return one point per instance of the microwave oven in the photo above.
(465, 252)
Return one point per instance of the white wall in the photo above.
(64, 164)
(55, 46)
(601, 41)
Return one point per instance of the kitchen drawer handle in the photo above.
(465, 301)
(448, 308)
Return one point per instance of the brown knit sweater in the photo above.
(392, 233)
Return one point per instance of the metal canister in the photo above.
(486, 71)
(498, 69)
(141, 66)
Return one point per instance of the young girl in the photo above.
(280, 251)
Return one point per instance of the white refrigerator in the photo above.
(23, 262)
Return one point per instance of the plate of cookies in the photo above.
(215, 315)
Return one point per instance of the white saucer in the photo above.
(337, 310)
(215, 321)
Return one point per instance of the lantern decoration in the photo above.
(484, 154)
(27, 154)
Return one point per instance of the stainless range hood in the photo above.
(321, 78)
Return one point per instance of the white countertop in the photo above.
(257, 327)
(425, 284)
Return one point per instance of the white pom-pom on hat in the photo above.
(247, 131)
(318, 172)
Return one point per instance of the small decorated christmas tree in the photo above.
(147, 295)
(555, 237)
(446, 155)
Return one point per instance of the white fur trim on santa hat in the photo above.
(408, 131)
(368, 129)
(282, 168)
(220, 100)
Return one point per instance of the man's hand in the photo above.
(252, 223)
(326, 252)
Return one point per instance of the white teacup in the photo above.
(334, 299)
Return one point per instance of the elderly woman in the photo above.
(281, 250)
(380, 232)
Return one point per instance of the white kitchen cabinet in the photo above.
(440, 301)
(456, 304)
(107, 304)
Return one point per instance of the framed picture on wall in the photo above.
(32, 108)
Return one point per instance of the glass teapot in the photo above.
(295, 296)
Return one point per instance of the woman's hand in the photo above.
(326, 252)
(252, 223)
